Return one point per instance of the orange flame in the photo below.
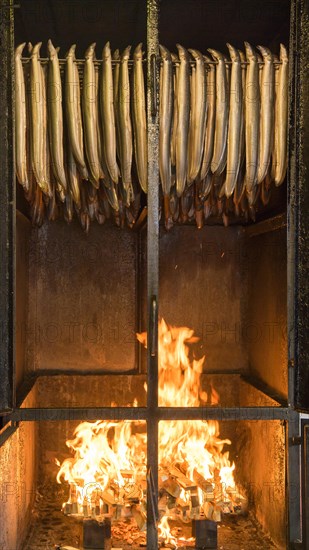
(109, 461)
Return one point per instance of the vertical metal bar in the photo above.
(139, 287)
(293, 480)
(299, 202)
(7, 207)
(152, 274)
(305, 482)
(296, 105)
(291, 207)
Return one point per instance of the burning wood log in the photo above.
(86, 511)
(195, 501)
(184, 481)
(127, 474)
(108, 497)
(202, 483)
(162, 504)
(67, 508)
(139, 517)
(171, 486)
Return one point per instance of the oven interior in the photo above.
(80, 299)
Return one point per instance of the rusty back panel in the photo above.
(23, 230)
(83, 299)
(267, 309)
(203, 285)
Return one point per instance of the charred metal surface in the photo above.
(152, 275)
(83, 299)
(266, 320)
(202, 24)
(299, 201)
(7, 207)
(203, 285)
(119, 21)
(297, 294)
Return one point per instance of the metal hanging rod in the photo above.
(79, 62)
(98, 62)
(243, 63)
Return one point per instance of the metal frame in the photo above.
(152, 274)
(297, 271)
(305, 481)
(7, 207)
(298, 213)
(153, 412)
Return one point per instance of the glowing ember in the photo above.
(108, 470)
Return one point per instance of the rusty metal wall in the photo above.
(18, 465)
(122, 22)
(266, 319)
(203, 285)
(200, 24)
(23, 231)
(258, 449)
(71, 390)
(83, 299)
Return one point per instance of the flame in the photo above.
(109, 458)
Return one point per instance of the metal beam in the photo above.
(7, 206)
(152, 415)
(152, 272)
(298, 206)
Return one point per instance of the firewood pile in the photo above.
(181, 499)
(107, 472)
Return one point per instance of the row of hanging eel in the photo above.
(222, 138)
(74, 143)
(223, 131)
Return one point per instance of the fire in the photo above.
(108, 466)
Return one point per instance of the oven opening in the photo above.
(152, 334)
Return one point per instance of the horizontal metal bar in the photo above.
(159, 413)
(242, 63)
(224, 413)
(81, 62)
(98, 62)
(90, 413)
